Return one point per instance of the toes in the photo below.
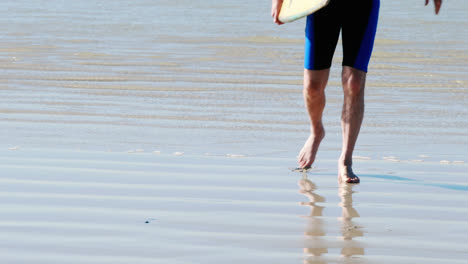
(305, 164)
(300, 158)
(353, 180)
(347, 179)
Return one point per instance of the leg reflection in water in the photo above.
(349, 229)
(314, 232)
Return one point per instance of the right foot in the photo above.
(309, 151)
(346, 175)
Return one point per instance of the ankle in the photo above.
(317, 131)
(345, 162)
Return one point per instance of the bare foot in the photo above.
(309, 151)
(346, 175)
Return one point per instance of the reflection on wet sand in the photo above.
(314, 231)
(349, 229)
(316, 244)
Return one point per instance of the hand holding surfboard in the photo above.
(292, 10)
(275, 10)
(284, 11)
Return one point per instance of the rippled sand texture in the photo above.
(102, 207)
(219, 77)
(165, 132)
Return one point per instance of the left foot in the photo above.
(346, 175)
(308, 152)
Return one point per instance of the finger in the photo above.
(437, 4)
(277, 21)
(427, 2)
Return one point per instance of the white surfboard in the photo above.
(292, 10)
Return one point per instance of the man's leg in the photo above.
(351, 119)
(358, 35)
(314, 98)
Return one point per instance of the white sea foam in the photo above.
(391, 158)
(361, 158)
(235, 155)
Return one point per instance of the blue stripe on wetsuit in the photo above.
(367, 44)
(309, 44)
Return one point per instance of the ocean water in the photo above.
(219, 77)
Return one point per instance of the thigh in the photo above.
(321, 36)
(358, 32)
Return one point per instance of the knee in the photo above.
(313, 88)
(353, 84)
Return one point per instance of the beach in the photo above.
(153, 132)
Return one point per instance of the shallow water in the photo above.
(132, 77)
(221, 78)
(107, 207)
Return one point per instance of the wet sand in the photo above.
(106, 207)
(188, 116)
(102, 75)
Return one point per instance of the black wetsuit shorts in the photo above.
(357, 19)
